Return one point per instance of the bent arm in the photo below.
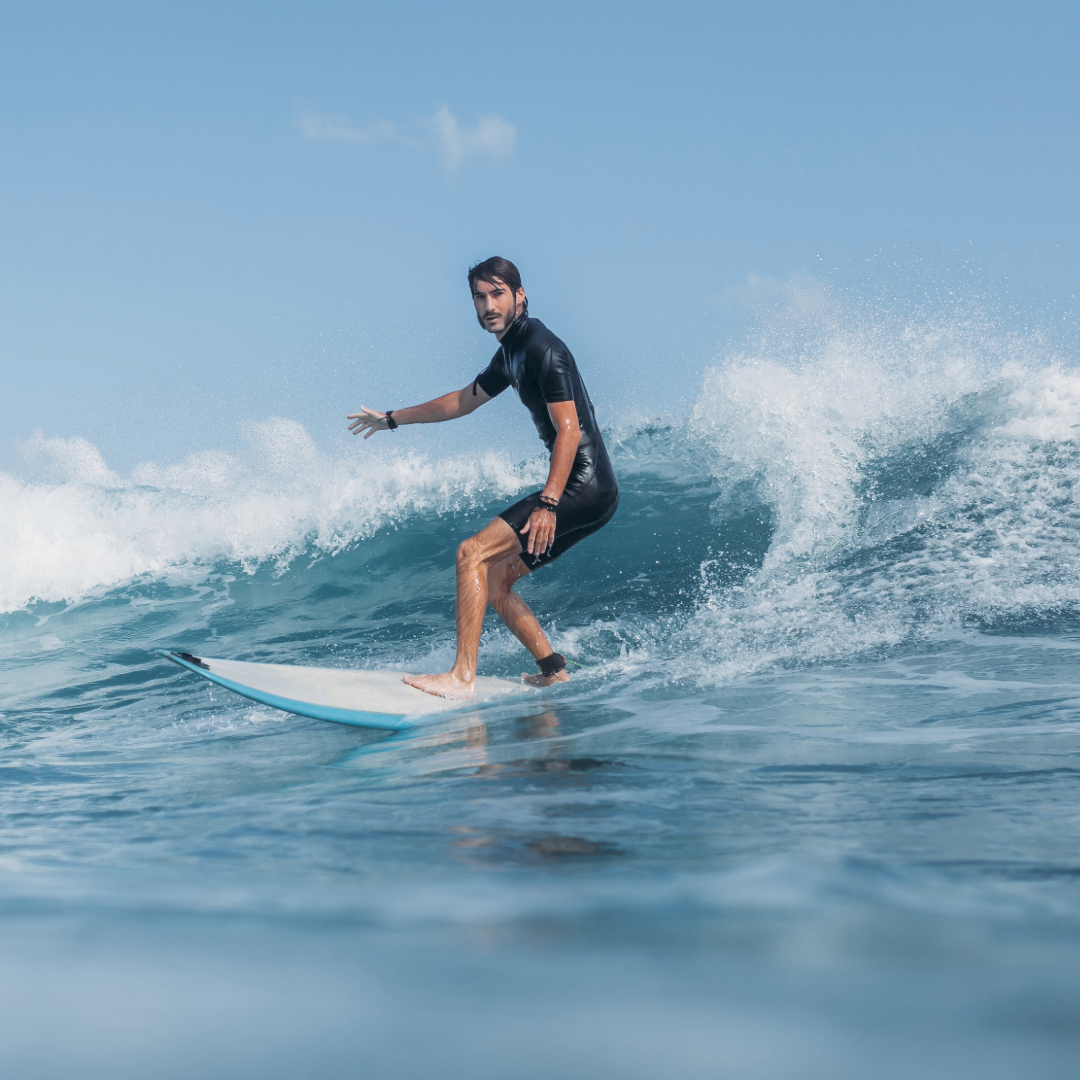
(540, 527)
(448, 407)
(564, 416)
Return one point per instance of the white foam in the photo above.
(81, 527)
(872, 547)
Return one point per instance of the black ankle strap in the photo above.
(551, 665)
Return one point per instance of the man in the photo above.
(580, 496)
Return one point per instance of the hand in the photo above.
(367, 421)
(541, 530)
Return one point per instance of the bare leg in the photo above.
(518, 616)
(475, 557)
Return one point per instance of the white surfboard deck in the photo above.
(376, 699)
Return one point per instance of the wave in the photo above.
(84, 528)
(850, 494)
(909, 488)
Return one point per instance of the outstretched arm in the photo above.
(448, 407)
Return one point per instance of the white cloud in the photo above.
(314, 125)
(492, 136)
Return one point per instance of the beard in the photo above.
(510, 317)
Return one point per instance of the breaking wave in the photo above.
(840, 493)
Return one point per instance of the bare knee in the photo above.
(469, 552)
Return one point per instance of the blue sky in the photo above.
(217, 212)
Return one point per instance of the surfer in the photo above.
(580, 496)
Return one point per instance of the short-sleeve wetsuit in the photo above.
(541, 369)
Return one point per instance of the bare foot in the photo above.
(441, 685)
(545, 680)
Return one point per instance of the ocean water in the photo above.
(808, 807)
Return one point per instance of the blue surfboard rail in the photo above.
(353, 717)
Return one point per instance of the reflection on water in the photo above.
(468, 748)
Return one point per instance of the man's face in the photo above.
(496, 306)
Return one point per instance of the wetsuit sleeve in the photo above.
(554, 376)
(492, 380)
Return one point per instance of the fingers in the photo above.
(363, 419)
(541, 530)
(541, 527)
(366, 421)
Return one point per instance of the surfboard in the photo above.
(375, 699)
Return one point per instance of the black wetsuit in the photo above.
(541, 369)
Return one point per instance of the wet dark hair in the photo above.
(497, 269)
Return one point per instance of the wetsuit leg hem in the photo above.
(564, 541)
(566, 536)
